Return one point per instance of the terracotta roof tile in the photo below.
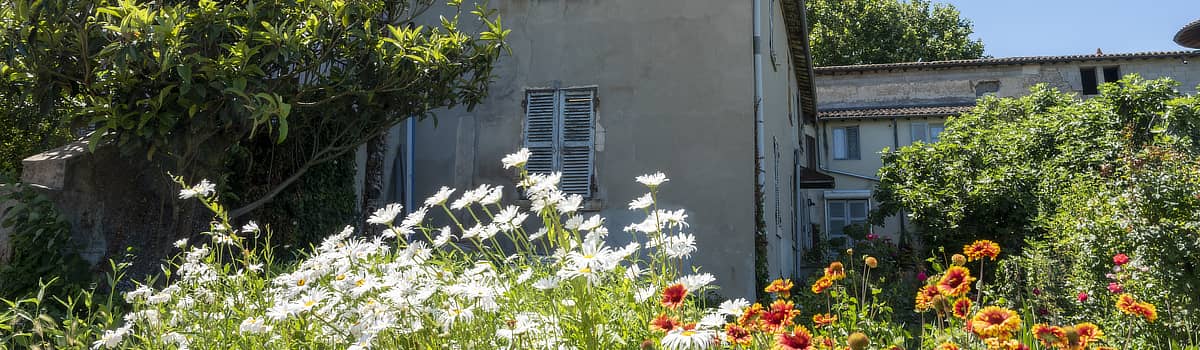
(1003, 61)
(888, 112)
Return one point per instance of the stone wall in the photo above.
(116, 205)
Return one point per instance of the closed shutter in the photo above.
(852, 142)
(559, 133)
(578, 120)
(539, 130)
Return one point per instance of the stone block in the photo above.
(50, 169)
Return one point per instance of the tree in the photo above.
(848, 32)
(197, 80)
(1070, 183)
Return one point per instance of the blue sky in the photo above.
(1071, 27)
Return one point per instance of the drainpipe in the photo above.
(409, 155)
(760, 176)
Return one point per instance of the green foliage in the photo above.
(1067, 184)
(41, 246)
(847, 32)
(321, 201)
(28, 128)
(191, 78)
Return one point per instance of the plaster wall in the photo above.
(674, 82)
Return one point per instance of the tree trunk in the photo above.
(373, 183)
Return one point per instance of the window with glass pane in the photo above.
(842, 213)
(837, 217)
(845, 143)
(935, 131)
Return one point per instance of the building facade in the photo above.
(866, 109)
(604, 91)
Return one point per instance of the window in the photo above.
(1112, 74)
(559, 133)
(845, 143)
(1087, 76)
(842, 213)
(926, 132)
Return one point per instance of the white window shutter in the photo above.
(540, 106)
(577, 125)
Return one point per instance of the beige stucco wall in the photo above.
(782, 128)
(675, 86)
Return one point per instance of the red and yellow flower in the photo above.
(1127, 304)
(782, 287)
(955, 282)
(798, 339)
(822, 320)
(925, 297)
(781, 315)
(995, 322)
(1003, 344)
(962, 308)
(1050, 336)
(673, 295)
(822, 284)
(1088, 332)
(738, 335)
(664, 323)
(980, 249)
(948, 346)
(835, 271)
(751, 316)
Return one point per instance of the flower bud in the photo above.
(858, 341)
(959, 259)
(871, 262)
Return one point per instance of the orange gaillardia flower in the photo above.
(1088, 332)
(995, 322)
(783, 287)
(948, 346)
(751, 316)
(798, 339)
(673, 295)
(981, 249)
(822, 284)
(822, 320)
(835, 271)
(1002, 344)
(955, 282)
(664, 323)
(1127, 304)
(925, 297)
(962, 307)
(736, 334)
(781, 315)
(1050, 336)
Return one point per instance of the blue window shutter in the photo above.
(540, 106)
(577, 137)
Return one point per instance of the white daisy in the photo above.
(516, 159)
(696, 281)
(733, 307)
(643, 202)
(440, 197)
(653, 180)
(202, 189)
(687, 339)
(385, 215)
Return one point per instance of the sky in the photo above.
(1072, 27)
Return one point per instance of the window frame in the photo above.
(1088, 75)
(848, 148)
(565, 145)
(846, 215)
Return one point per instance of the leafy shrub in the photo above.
(41, 246)
(1067, 184)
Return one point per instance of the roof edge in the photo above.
(1020, 60)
